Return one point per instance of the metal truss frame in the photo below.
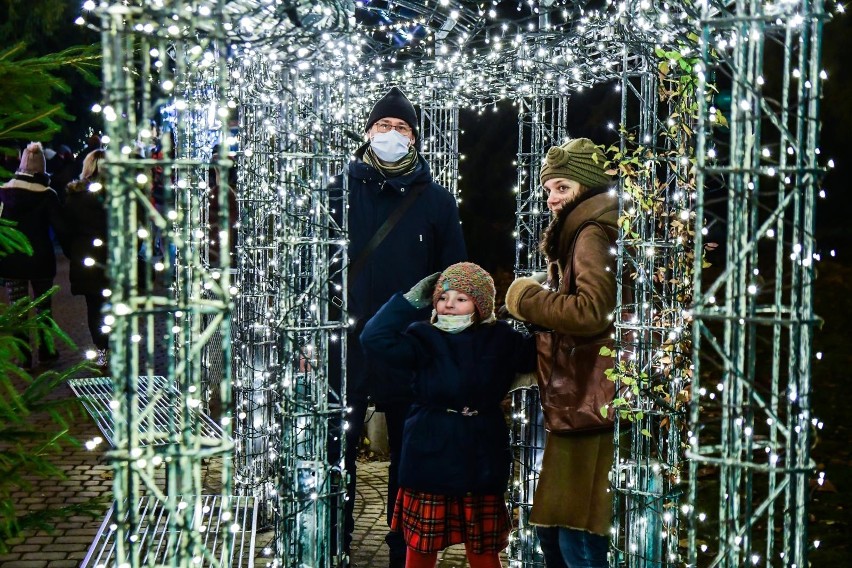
(751, 423)
(165, 305)
(303, 76)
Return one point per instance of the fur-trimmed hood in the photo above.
(77, 186)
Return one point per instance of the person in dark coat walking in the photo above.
(28, 200)
(85, 217)
(454, 468)
(388, 175)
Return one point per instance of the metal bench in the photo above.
(159, 401)
(152, 534)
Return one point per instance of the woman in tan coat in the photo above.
(572, 503)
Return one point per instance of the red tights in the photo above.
(414, 559)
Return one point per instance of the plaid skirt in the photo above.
(431, 522)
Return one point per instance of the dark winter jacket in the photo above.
(443, 450)
(86, 220)
(35, 209)
(427, 239)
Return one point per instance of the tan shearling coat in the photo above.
(573, 489)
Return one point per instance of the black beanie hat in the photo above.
(393, 105)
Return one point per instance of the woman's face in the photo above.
(453, 303)
(561, 191)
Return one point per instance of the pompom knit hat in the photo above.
(393, 105)
(32, 160)
(579, 160)
(470, 279)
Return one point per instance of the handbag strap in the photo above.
(358, 264)
(572, 284)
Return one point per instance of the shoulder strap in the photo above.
(357, 265)
(572, 285)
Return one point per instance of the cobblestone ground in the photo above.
(89, 475)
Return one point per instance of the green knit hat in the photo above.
(470, 279)
(579, 160)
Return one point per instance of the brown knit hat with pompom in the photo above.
(579, 160)
(470, 279)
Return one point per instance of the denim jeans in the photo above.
(572, 548)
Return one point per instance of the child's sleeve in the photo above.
(526, 353)
(384, 335)
(526, 360)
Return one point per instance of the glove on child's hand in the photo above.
(420, 294)
(540, 277)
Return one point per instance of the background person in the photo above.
(85, 245)
(28, 200)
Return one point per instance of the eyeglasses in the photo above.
(383, 127)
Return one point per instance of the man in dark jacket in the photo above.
(391, 193)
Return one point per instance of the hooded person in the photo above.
(454, 466)
(572, 506)
(85, 216)
(403, 226)
(29, 202)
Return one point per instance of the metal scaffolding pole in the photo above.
(652, 335)
(258, 279)
(541, 124)
(750, 424)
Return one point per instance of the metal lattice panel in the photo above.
(226, 528)
(156, 397)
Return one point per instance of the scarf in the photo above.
(391, 170)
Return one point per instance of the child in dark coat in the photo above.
(454, 468)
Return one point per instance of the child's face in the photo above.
(452, 303)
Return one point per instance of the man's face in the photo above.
(387, 124)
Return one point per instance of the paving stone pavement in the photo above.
(89, 475)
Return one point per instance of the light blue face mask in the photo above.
(452, 324)
(390, 146)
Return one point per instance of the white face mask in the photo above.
(452, 324)
(390, 146)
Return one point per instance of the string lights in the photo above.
(284, 87)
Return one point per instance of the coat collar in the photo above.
(602, 207)
(25, 184)
(596, 207)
